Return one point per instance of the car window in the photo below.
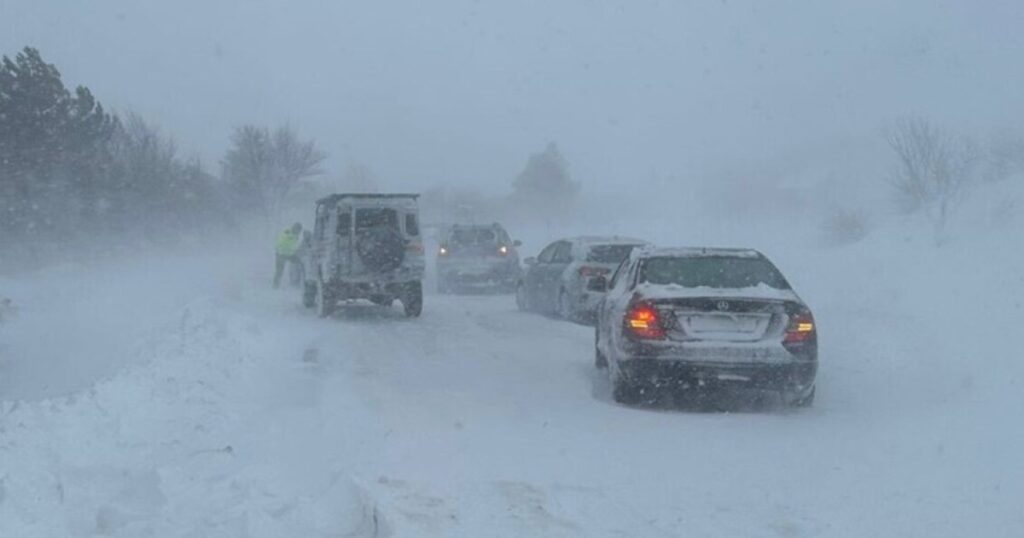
(472, 236)
(548, 254)
(712, 272)
(412, 225)
(320, 226)
(344, 223)
(563, 254)
(609, 253)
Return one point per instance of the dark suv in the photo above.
(477, 257)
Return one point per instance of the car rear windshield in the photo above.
(609, 253)
(473, 236)
(712, 272)
(374, 217)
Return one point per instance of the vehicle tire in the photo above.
(381, 249)
(600, 361)
(412, 299)
(626, 392)
(565, 310)
(796, 400)
(325, 301)
(309, 294)
(522, 301)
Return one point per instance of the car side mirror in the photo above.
(598, 284)
(530, 261)
(517, 243)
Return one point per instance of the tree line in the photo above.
(75, 174)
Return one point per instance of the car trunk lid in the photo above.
(720, 319)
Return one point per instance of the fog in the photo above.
(178, 359)
(461, 92)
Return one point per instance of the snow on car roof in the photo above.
(681, 252)
(648, 290)
(590, 240)
(474, 226)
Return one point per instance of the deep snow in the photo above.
(180, 397)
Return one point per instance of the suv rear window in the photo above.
(473, 236)
(712, 272)
(609, 253)
(374, 217)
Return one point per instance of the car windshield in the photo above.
(613, 254)
(712, 272)
(473, 237)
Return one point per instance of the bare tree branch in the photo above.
(933, 170)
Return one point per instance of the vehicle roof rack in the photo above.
(339, 196)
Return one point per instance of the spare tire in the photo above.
(381, 249)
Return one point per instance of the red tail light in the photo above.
(643, 321)
(801, 328)
(587, 272)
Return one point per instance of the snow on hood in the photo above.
(673, 291)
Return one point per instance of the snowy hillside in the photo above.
(204, 404)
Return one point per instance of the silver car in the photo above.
(556, 281)
(689, 319)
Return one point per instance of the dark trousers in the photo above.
(279, 264)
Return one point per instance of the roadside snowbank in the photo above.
(184, 442)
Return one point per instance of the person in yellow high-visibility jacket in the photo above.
(286, 251)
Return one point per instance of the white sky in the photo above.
(461, 91)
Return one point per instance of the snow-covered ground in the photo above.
(180, 397)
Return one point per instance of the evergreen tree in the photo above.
(52, 148)
(544, 187)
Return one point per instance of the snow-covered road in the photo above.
(231, 411)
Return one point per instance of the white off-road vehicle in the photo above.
(365, 246)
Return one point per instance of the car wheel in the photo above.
(309, 294)
(626, 392)
(799, 400)
(325, 301)
(565, 310)
(522, 301)
(412, 299)
(600, 361)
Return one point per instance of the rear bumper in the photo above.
(796, 375)
(348, 291)
(470, 275)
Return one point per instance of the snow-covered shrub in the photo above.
(934, 170)
(844, 227)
